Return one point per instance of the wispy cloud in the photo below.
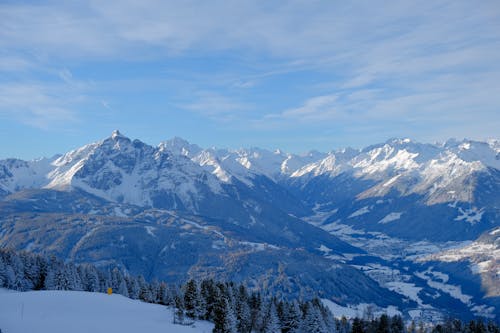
(14, 64)
(356, 64)
(317, 108)
(297, 30)
(215, 106)
(37, 105)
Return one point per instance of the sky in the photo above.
(293, 75)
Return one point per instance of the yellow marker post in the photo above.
(110, 291)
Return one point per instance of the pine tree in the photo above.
(74, 281)
(343, 325)
(50, 279)
(154, 288)
(258, 311)
(243, 314)
(122, 288)
(163, 294)
(480, 327)
(491, 327)
(144, 290)
(172, 291)
(357, 326)
(412, 328)
(397, 325)
(383, 324)
(201, 309)
(3, 277)
(116, 278)
(31, 270)
(328, 318)
(230, 321)
(15, 263)
(42, 263)
(224, 319)
(209, 294)
(92, 279)
(179, 311)
(457, 326)
(292, 317)
(271, 322)
(191, 299)
(133, 287)
(313, 321)
(421, 327)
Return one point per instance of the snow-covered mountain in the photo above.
(122, 170)
(257, 215)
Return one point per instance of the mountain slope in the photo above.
(77, 311)
(351, 225)
(174, 246)
(408, 190)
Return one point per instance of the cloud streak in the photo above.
(37, 105)
(295, 30)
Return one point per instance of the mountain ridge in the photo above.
(263, 215)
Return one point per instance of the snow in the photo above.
(445, 173)
(150, 230)
(470, 215)
(482, 256)
(415, 314)
(474, 251)
(203, 227)
(494, 232)
(319, 216)
(340, 229)
(259, 246)
(179, 146)
(360, 212)
(407, 289)
(119, 213)
(391, 181)
(481, 267)
(438, 171)
(326, 250)
(486, 152)
(25, 174)
(381, 159)
(388, 248)
(82, 312)
(390, 217)
(452, 290)
(483, 311)
(358, 310)
(339, 310)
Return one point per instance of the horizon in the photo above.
(294, 76)
(270, 149)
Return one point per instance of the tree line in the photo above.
(231, 307)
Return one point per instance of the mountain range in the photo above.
(402, 225)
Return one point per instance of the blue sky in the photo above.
(294, 75)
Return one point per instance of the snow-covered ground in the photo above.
(380, 244)
(359, 310)
(82, 312)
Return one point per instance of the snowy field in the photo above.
(359, 310)
(83, 312)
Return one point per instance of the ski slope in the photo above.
(83, 312)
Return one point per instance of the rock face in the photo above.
(354, 226)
